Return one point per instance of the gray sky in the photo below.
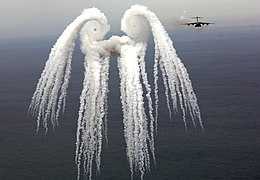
(24, 18)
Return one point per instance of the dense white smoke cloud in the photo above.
(139, 124)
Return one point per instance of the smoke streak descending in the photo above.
(139, 137)
(131, 67)
(93, 101)
(136, 93)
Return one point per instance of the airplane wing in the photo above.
(205, 23)
(188, 24)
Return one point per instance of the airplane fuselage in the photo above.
(197, 25)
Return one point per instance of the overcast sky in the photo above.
(24, 18)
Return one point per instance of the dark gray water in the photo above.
(224, 66)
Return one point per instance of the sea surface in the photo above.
(224, 66)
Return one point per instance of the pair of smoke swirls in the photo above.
(139, 125)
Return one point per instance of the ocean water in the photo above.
(224, 65)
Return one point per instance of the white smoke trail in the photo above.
(135, 120)
(139, 132)
(135, 23)
(92, 120)
(93, 100)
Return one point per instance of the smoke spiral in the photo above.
(50, 94)
(94, 30)
(135, 26)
